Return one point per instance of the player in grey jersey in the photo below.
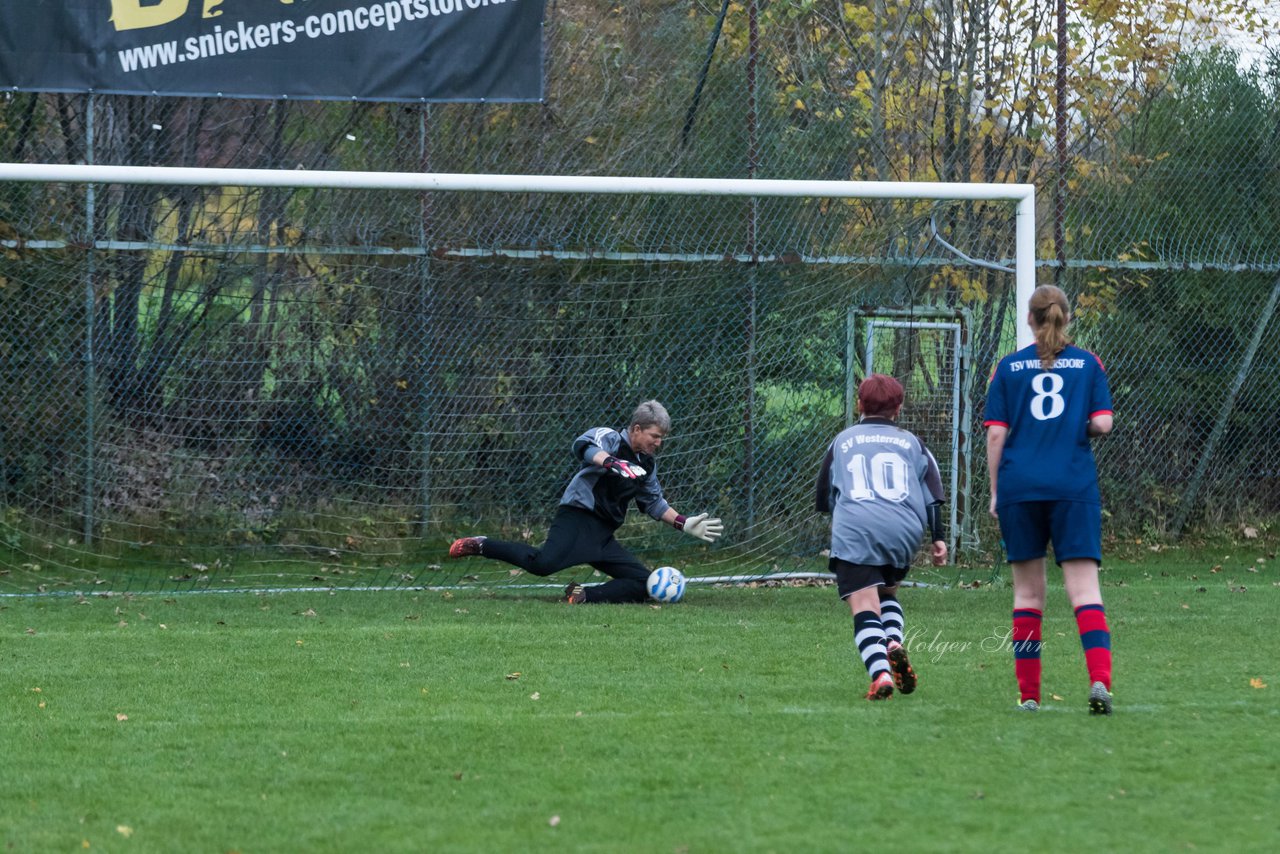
(882, 488)
(617, 467)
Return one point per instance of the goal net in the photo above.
(235, 377)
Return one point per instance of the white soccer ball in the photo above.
(666, 584)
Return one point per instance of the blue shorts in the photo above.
(1074, 528)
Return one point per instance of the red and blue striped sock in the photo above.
(1095, 637)
(1026, 651)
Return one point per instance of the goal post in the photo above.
(211, 369)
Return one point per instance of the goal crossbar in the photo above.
(1021, 194)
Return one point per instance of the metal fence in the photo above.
(199, 377)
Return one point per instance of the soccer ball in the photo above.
(666, 584)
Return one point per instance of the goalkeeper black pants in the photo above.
(579, 537)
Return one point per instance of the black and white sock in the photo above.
(891, 617)
(868, 634)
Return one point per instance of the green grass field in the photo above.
(734, 721)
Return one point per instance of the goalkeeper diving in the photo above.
(617, 467)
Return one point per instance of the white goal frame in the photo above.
(90, 176)
(1022, 194)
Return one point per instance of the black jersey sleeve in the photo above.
(932, 476)
(822, 498)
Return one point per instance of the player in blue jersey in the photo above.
(617, 467)
(1045, 403)
(882, 487)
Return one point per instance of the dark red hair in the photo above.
(880, 394)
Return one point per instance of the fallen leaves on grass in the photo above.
(535, 696)
(1255, 682)
(120, 716)
(554, 821)
(124, 830)
(511, 677)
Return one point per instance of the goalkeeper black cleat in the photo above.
(466, 547)
(575, 594)
(1099, 699)
(904, 676)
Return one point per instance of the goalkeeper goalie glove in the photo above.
(707, 530)
(622, 468)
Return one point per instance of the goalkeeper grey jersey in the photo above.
(605, 494)
(876, 482)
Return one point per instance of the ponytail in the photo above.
(1051, 314)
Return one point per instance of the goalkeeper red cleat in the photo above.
(466, 547)
(881, 687)
(904, 676)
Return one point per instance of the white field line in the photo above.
(735, 580)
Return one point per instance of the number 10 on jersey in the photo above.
(882, 476)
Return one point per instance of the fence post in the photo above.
(90, 311)
(1060, 147)
(424, 322)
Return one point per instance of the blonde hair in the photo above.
(1051, 313)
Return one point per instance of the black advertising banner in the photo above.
(374, 50)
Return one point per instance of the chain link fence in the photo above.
(194, 378)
